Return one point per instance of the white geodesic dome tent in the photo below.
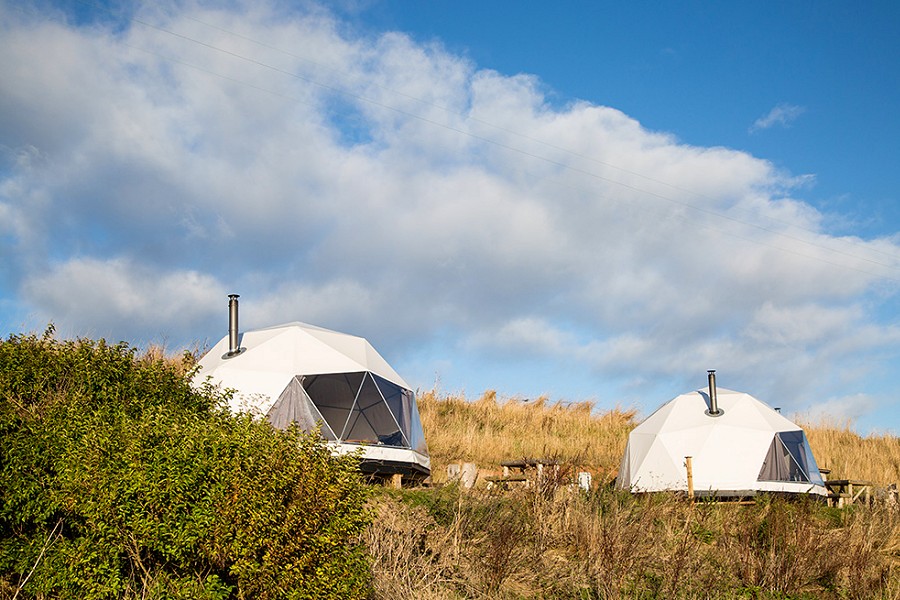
(321, 378)
(746, 449)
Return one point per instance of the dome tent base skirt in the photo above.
(384, 469)
(385, 461)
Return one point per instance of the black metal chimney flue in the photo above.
(233, 343)
(713, 401)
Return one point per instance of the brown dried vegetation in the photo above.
(555, 541)
(537, 543)
(489, 431)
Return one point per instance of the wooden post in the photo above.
(690, 475)
(397, 480)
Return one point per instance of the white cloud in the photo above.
(800, 324)
(839, 412)
(123, 299)
(433, 199)
(532, 335)
(782, 114)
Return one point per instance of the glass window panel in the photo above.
(359, 431)
(786, 459)
(335, 416)
(371, 420)
(402, 403)
(814, 475)
(793, 442)
(393, 396)
(416, 433)
(333, 395)
(369, 395)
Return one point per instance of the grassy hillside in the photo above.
(555, 542)
(551, 541)
(489, 430)
(851, 456)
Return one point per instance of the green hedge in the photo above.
(119, 480)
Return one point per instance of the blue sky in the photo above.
(595, 202)
(705, 72)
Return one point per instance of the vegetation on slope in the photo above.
(874, 457)
(553, 541)
(489, 430)
(118, 480)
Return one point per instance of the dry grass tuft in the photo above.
(489, 431)
(564, 543)
(553, 541)
(836, 446)
(183, 363)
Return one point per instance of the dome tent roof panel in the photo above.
(776, 420)
(255, 339)
(638, 450)
(656, 419)
(280, 349)
(685, 442)
(301, 350)
(682, 415)
(746, 412)
(352, 348)
(659, 469)
(732, 456)
(255, 391)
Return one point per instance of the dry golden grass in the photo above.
(556, 542)
(836, 446)
(488, 431)
(182, 363)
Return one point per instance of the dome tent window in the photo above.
(788, 459)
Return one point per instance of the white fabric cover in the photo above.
(309, 375)
(728, 451)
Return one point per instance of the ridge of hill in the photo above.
(492, 429)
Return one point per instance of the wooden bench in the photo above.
(522, 465)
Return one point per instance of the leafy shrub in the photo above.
(118, 479)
